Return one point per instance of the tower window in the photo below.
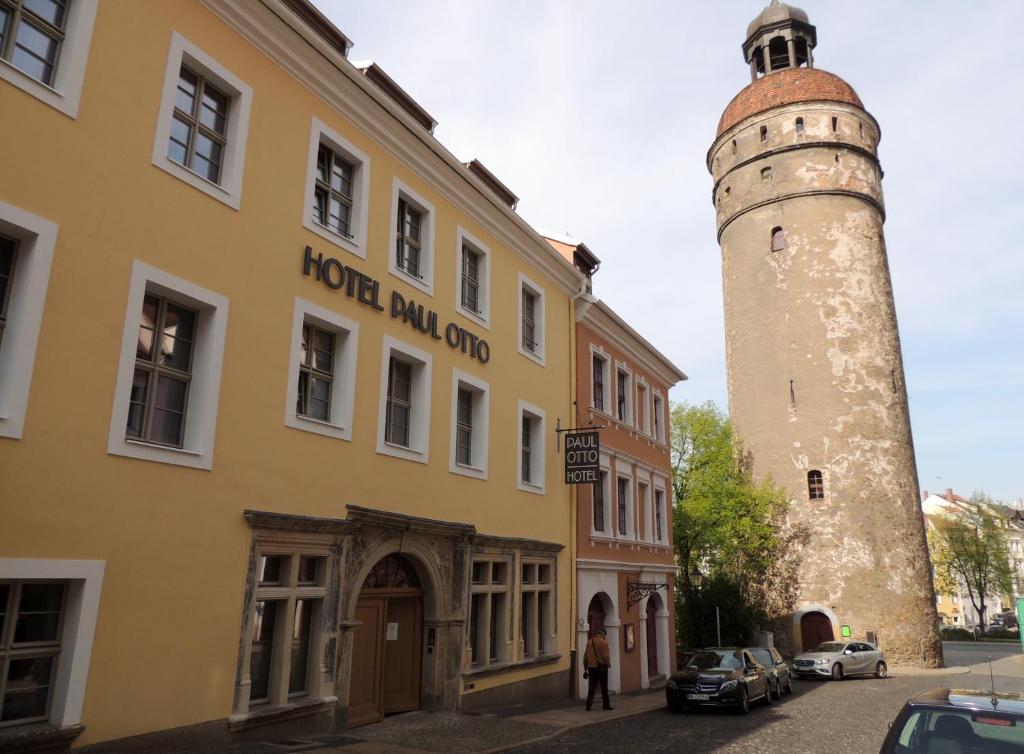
(766, 173)
(860, 128)
(799, 125)
(792, 392)
(815, 485)
(764, 134)
(734, 146)
(778, 239)
(778, 53)
(835, 124)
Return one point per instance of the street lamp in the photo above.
(696, 577)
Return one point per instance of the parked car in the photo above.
(1005, 619)
(718, 677)
(838, 659)
(780, 678)
(957, 720)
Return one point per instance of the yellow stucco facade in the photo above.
(170, 630)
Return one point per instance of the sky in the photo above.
(599, 115)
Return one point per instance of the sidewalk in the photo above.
(501, 730)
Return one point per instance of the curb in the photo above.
(955, 670)
(561, 731)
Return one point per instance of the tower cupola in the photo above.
(780, 37)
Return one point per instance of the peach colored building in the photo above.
(625, 566)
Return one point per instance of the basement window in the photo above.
(815, 485)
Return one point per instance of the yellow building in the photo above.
(279, 378)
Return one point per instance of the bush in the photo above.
(956, 633)
(1002, 633)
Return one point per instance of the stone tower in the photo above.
(816, 389)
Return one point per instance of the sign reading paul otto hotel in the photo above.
(582, 457)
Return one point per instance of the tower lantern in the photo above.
(780, 37)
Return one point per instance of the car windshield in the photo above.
(961, 730)
(830, 647)
(722, 660)
(763, 656)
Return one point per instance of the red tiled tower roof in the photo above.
(787, 87)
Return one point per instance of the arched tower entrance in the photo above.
(815, 628)
(387, 644)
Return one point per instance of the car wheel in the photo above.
(881, 670)
(767, 701)
(775, 691)
(789, 685)
(837, 672)
(744, 705)
(675, 707)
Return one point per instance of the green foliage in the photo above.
(970, 553)
(725, 525)
(957, 634)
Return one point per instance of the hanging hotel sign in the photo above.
(364, 289)
(582, 457)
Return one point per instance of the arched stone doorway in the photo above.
(652, 635)
(655, 652)
(387, 644)
(600, 613)
(595, 615)
(815, 628)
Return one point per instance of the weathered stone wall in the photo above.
(814, 364)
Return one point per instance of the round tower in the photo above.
(815, 373)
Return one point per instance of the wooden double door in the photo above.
(387, 655)
(815, 629)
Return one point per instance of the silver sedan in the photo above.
(838, 659)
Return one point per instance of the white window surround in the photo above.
(642, 409)
(65, 94)
(419, 418)
(208, 359)
(85, 579)
(606, 475)
(660, 485)
(464, 238)
(538, 449)
(321, 133)
(346, 350)
(37, 239)
(630, 532)
(399, 189)
(658, 409)
(596, 350)
(481, 424)
(539, 319)
(645, 503)
(183, 52)
(630, 412)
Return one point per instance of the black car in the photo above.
(780, 678)
(718, 677)
(957, 720)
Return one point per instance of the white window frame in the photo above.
(642, 409)
(183, 52)
(481, 425)
(538, 449)
(628, 419)
(630, 532)
(660, 485)
(321, 133)
(85, 579)
(597, 351)
(658, 428)
(343, 390)
(36, 240)
(544, 645)
(504, 592)
(207, 364)
(540, 320)
(464, 238)
(645, 503)
(609, 528)
(65, 94)
(401, 190)
(419, 414)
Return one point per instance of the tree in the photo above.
(970, 553)
(725, 524)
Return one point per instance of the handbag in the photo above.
(586, 670)
(586, 674)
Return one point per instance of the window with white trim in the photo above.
(203, 123)
(624, 506)
(599, 388)
(44, 46)
(412, 238)
(470, 398)
(473, 278)
(644, 501)
(285, 622)
(168, 379)
(404, 419)
(531, 448)
(536, 609)
(660, 519)
(531, 319)
(643, 410)
(337, 189)
(659, 418)
(624, 395)
(599, 498)
(322, 372)
(488, 612)
(26, 254)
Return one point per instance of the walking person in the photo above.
(596, 661)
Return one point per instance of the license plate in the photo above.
(699, 697)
